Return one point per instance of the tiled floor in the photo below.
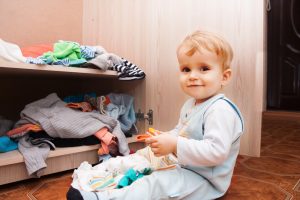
(275, 175)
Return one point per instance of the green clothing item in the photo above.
(131, 175)
(63, 50)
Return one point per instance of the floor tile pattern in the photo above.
(276, 173)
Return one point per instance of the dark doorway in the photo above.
(283, 70)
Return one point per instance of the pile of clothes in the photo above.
(68, 53)
(78, 120)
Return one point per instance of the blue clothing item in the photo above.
(132, 175)
(103, 158)
(64, 62)
(78, 98)
(36, 61)
(6, 144)
(88, 52)
(68, 62)
(122, 110)
(193, 126)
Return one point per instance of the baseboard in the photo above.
(283, 115)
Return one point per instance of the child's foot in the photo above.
(74, 194)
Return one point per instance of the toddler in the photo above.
(206, 139)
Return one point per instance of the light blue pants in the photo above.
(176, 183)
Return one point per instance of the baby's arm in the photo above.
(220, 131)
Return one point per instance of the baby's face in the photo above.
(201, 74)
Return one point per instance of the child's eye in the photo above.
(203, 68)
(185, 69)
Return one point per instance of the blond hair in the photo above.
(200, 40)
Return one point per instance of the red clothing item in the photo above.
(36, 50)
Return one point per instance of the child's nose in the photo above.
(193, 75)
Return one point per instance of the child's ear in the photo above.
(226, 76)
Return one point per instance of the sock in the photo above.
(74, 194)
(132, 72)
(119, 68)
(132, 68)
(128, 71)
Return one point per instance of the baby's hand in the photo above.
(162, 144)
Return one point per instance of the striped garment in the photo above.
(128, 71)
(102, 183)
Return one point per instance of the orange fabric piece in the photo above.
(106, 139)
(83, 106)
(24, 128)
(142, 137)
(103, 149)
(151, 132)
(36, 50)
(104, 135)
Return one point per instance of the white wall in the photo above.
(34, 22)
